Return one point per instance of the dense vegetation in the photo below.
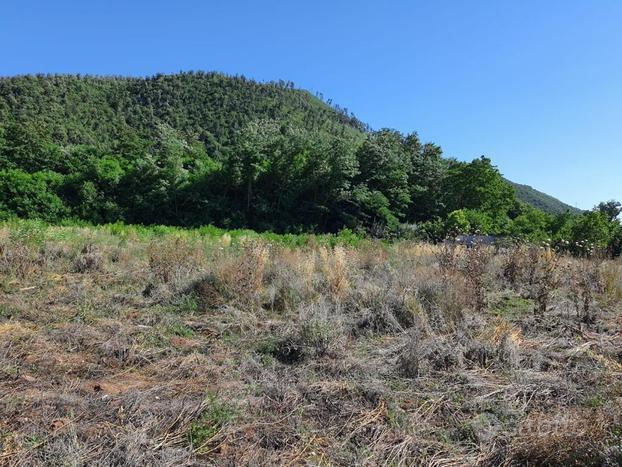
(202, 148)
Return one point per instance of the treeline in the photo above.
(196, 149)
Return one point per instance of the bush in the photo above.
(90, 259)
(174, 258)
(31, 196)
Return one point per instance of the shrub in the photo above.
(31, 196)
(514, 267)
(545, 277)
(17, 259)
(19, 250)
(585, 282)
(443, 300)
(288, 350)
(474, 269)
(241, 278)
(90, 259)
(318, 336)
(448, 257)
(570, 437)
(210, 293)
(172, 259)
(420, 355)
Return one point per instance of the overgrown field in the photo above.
(125, 347)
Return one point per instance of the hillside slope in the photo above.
(540, 200)
(195, 148)
(208, 106)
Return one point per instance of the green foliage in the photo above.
(478, 185)
(215, 416)
(513, 306)
(611, 209)
(473, 221)
(27, 144)
(180, 330)
(434, 231)
(383, 177)
(531, 224)
(587, 233)
(615, 244)
(426, 178)
(375, 208)
(457, 222)
(591, 230)
(31, 233)
(481, 222)
(197, 149)
(30, 195)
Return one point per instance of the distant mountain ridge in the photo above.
(540, 200)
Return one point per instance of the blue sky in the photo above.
(535, 85)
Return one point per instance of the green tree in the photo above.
(251, 159)
(589, 231)
(31, 196)
(382, 183)
(478, 185)
(530, 224)
(28, 146)
(611, 209)
(428, 171)
(615, 244)
(457, 223)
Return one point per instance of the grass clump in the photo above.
(215, 416)
(90, 259)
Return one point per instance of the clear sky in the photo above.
(536, 85)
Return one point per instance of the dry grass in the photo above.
(611, 276)
(189, 352)
(334, 265)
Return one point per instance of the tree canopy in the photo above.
(203, 148)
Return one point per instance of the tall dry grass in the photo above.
(187, 351)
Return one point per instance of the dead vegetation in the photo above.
(178, 351)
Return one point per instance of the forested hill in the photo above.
(200, 148)
(209, 107)
(542, 201)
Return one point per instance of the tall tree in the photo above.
(611, 209)
(477, 185)
(426, 177)
(382, 183)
